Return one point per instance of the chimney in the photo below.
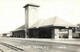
(31, 14)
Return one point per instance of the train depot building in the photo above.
(54, 27)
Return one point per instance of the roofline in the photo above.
(52, 26)
(31, 5)
(18, 30)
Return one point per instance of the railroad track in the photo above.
(1, 50)
(11, 47)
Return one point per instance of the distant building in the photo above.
(6, 34)
(54, 27)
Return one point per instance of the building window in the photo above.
(63, 33)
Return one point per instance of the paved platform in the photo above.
(43, 45)
(66, 41)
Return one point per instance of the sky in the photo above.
(12, 13)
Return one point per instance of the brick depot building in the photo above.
(53, 27)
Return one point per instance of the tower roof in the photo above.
(31, 5)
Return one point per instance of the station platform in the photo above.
(45, 45)
(64, 41)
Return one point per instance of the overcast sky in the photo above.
(12, 11)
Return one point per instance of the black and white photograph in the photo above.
(39, 25)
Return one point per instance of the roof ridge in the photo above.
(54, 20)
(40, 22)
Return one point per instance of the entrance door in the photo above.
(45, 33)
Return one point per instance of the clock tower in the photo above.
(31, 15)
